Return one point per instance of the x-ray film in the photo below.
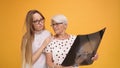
(83, 49)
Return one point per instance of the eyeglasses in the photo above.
(38, 21)
(55, 24)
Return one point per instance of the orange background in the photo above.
(85, 16)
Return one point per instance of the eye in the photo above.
(35, 21)
(53, 24)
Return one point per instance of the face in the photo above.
(59, 28)
(38, 22)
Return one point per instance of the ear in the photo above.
(65, 26)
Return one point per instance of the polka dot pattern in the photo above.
(60, 48)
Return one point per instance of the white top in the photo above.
(60, 48)
(38, 40)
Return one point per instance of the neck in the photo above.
(62, 36)
(37, 32)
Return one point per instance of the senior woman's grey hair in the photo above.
(60, 18)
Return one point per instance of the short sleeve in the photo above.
(48, 49)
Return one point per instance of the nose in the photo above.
(39, 22)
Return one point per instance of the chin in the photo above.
(40, 28)
(57, 33)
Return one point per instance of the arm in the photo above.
(51, 64)
(23, 45)
(37, 54)
(49, 60)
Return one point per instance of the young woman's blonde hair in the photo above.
(26, 46)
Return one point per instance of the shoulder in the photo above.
(46, 31)
(24, 37)
(73, 36)
(24, 40)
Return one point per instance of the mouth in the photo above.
(39, 25)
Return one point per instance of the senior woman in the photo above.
(59, 47)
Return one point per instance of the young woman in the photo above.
(33, 41)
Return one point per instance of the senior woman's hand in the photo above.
(95, 57)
